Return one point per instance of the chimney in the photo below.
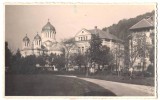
(96, 31)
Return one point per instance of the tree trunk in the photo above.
(98, 67)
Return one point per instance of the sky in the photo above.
(68, 19)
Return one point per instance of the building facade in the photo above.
(83, 38)
(142, 41)
(44, 43)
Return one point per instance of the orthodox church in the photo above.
(44, 43)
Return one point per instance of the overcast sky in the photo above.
(67, 19)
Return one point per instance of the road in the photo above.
(122, 89)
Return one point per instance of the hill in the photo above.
(121, 28)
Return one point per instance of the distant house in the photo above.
(83, 37)
(142, 38)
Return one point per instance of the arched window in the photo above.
(82, 49)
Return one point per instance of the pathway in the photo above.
(121, 89)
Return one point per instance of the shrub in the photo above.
(150, 70)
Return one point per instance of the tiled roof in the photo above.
(104, 34)
(144, 23)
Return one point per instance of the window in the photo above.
(79, 49)
(82, 49)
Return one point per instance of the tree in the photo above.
(16, 62)
(29, 64)
(119, 56)
(135, 50)
(151, 51)
(78, 59)
(139, 47)
(60, 61)
(41, 60)
(94, 49)
(68, 44)
(8, 57)
(106, 57)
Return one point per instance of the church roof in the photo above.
(104, 34)
(37, 37)
(144, 23)
(48, 26)
(26, 38)
(57, 47)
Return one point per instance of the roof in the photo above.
(104, 34)
(57, 47)
(37, 37)
(26, 38)
(144, 23)
(151, 19)
(48, 26)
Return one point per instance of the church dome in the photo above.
(26, 38)
(48, 27)
(37, 37)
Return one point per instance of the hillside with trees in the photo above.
(121, 29)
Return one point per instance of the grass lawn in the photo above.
(148, 81)
(51, 85)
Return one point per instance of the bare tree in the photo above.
(119, 55)
(68, 44)
(138, 48)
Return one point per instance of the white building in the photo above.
(83, 37)
(45, 43)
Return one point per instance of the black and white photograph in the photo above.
(89, 50)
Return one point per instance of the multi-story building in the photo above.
(83, 37)
(141, 41)
(42, 44)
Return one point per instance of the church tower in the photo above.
(37, 42)
(48, 34)
(26, 42)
